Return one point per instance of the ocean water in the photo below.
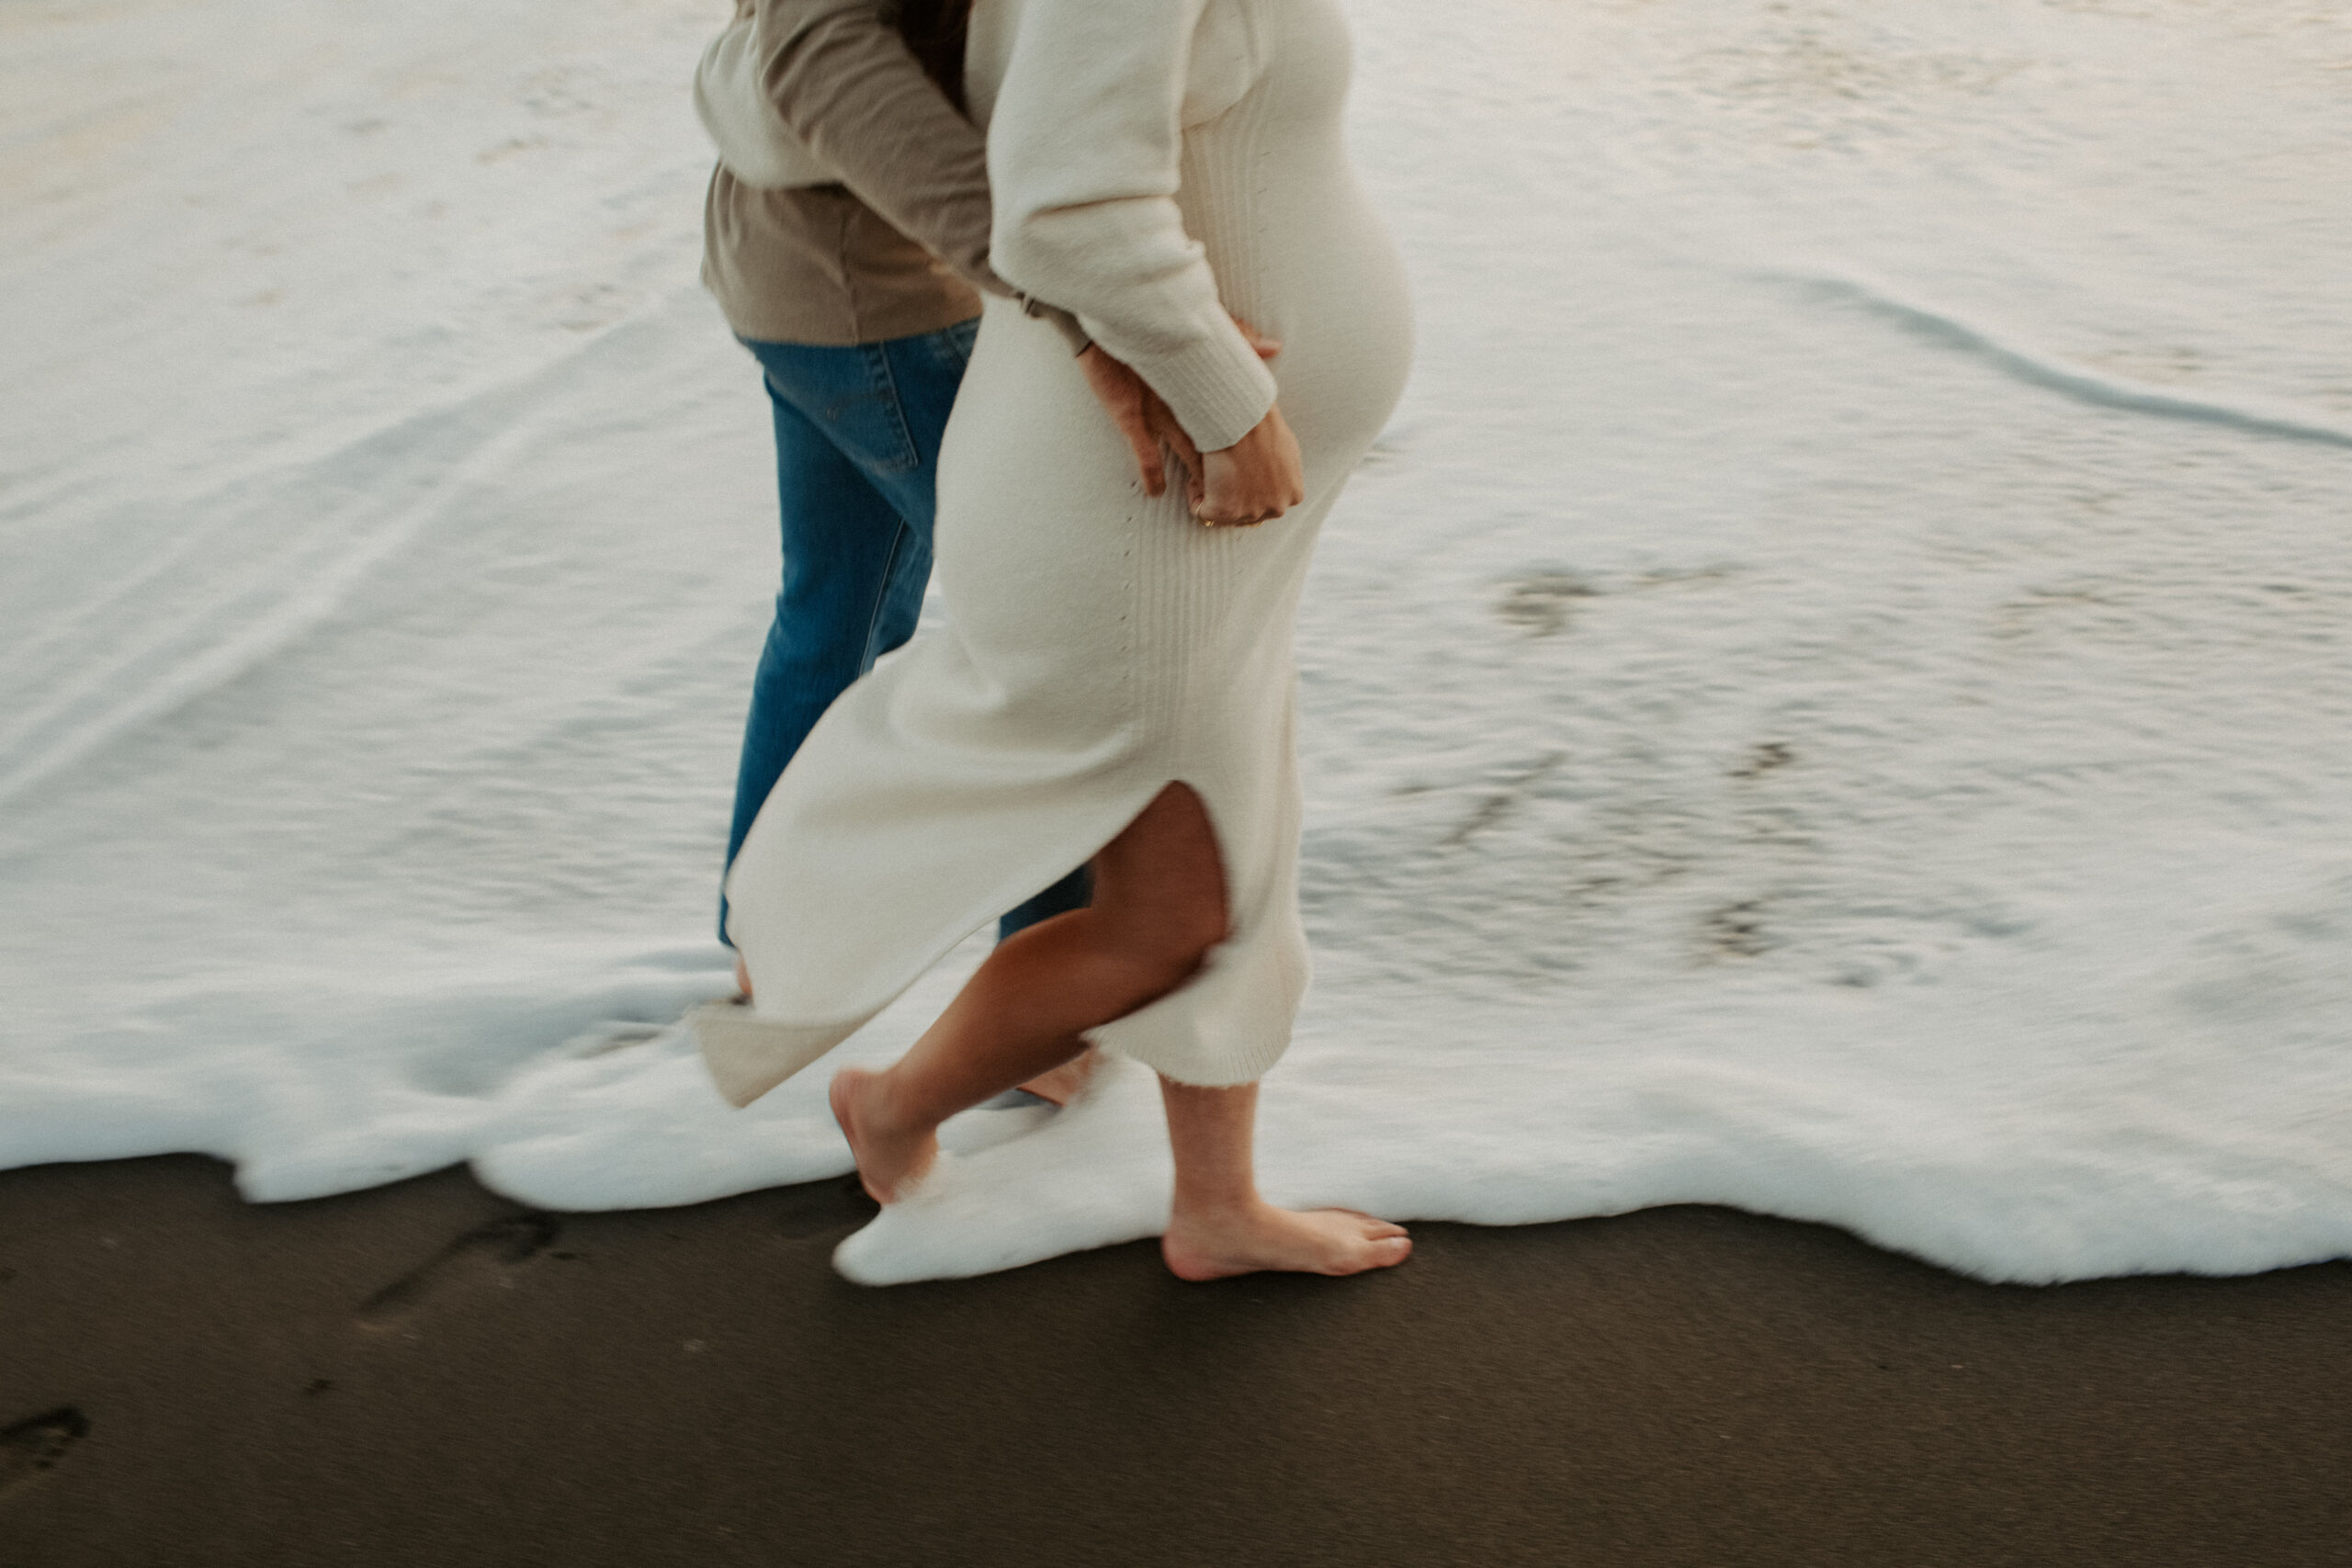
(1833, 696)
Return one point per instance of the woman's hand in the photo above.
(1151, 430)
(1141, 417)
(1257, 478)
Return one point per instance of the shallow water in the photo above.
(1831, 697)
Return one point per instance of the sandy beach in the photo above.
(423, 1373)
(1833, 698)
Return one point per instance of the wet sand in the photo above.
(424, 1374)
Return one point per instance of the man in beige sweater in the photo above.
(856, 288)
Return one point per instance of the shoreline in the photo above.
(425, 1373)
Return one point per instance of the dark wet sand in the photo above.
(351, 1382)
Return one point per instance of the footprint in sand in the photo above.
(481, 1258)
(32, 1447)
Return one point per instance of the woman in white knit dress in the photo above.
(1115, 676)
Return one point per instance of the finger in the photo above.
(1149, 465)
(1267, 347)
(1188, 476)
(1173, 433)
(1164, 424)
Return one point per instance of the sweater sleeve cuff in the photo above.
(1217, 385)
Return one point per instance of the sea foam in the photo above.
(1833, 697)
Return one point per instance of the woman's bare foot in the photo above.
(1220, 1243)
(1063, 1083)
(742, 978)
(889, 1161)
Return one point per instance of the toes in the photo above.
(1385, 1253)
(1373, 1227)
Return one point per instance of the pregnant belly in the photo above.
(1322, 276)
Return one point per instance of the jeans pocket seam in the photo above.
(886, 384)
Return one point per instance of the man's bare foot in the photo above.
(889, 1161)
(1225, 1242)
(1063, 1083)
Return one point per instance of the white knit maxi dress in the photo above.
(1156, 164)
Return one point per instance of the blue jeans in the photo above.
(857, 435)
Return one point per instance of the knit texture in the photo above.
(1161, 163)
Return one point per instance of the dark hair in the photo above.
(934, 30)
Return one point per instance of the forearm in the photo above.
(1084, 152)
(842, 80)
(843, 83)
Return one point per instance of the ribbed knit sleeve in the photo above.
(1083, 151)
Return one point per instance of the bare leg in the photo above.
(1158, 906)
(1057, 1085)
(1219, 1226)
(1060, 1086)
